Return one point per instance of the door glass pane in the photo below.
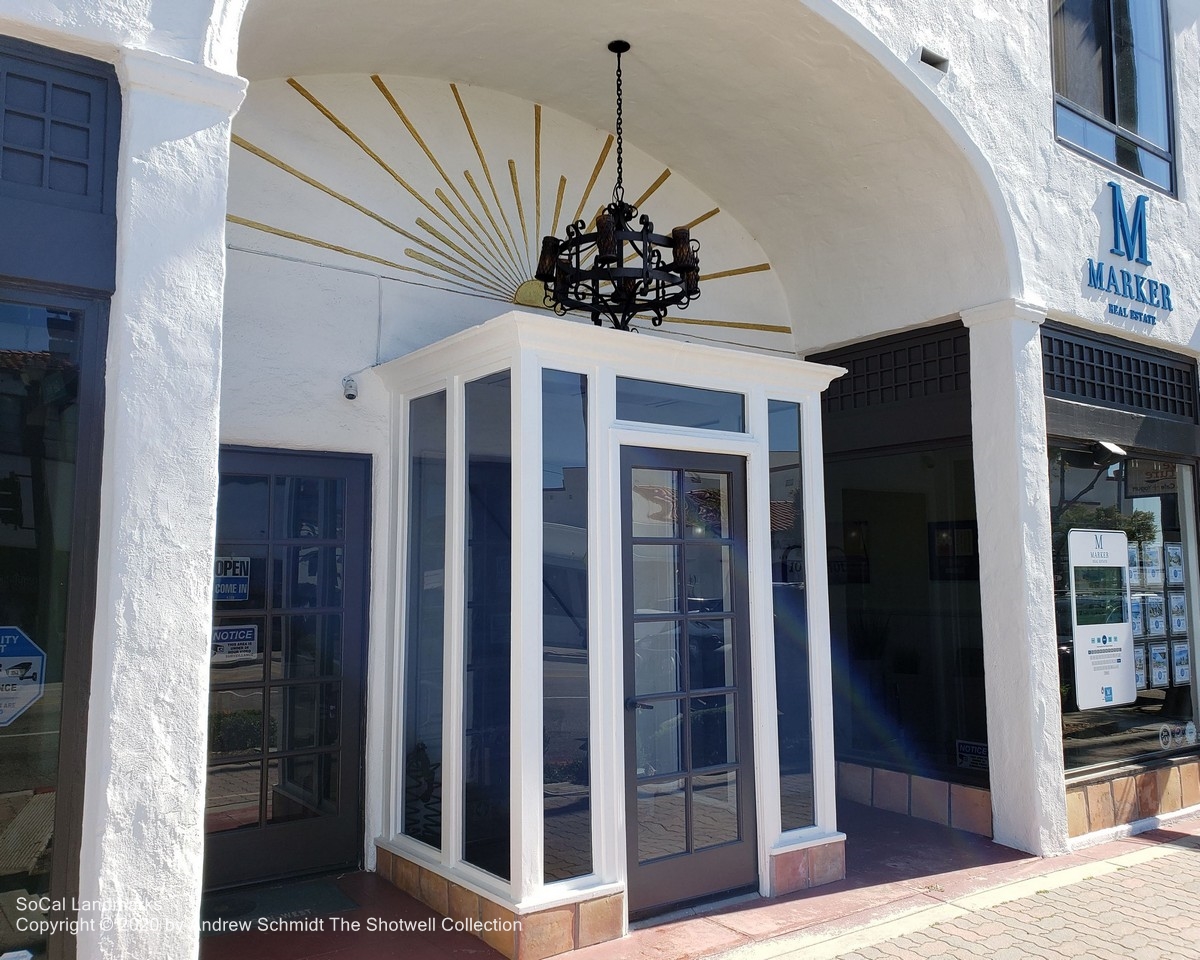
(310, 507)
(655, 578)
(714, 809)
(307, 645)
(661, 819)
(648, 401)
(652, 506)
(714, 731)
(707, 571)
(235, 719)
(423, 679)
(710, 653)
(231, 800)
(242, 508)
(302, 787)
(307, 577)
(659, 737)
(304, 716)
(657, 659)
(705, 504)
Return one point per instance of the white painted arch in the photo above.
(874, 206)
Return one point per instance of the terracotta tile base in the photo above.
(528, 936)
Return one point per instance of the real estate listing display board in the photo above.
(1101, 618)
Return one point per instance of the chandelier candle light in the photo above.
(620, 271)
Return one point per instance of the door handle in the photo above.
(632, 703)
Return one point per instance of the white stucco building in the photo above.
(276, 385)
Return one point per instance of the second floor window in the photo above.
(1111, 83)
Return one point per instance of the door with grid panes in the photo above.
(688, 748)
(284, 793)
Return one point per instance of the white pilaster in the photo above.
(143, 830)
(1012, 495)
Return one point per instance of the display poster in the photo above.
(1181, 662)
(1160, 665)
(1177, 611)
(1135, 565)
(1154, 610)
(1174, 563)
(1100, 618)
(234, 643)
(1152, 564)
(1139, 667)
(1137, 616)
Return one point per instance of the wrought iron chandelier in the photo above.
(620, 270)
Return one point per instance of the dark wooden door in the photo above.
(285, 730)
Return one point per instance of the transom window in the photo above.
(1111, 84)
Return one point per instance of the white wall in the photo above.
(999, 87)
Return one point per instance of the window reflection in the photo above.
(565, 697)
(905, 619)
(39, 416)
(792, 694)
(1142, 497)
(488, 624)
(426, 619)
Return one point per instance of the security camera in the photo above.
(349, 388)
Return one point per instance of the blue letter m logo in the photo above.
(1129, 236)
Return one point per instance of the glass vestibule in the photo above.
(513, 773)
(1151, 500)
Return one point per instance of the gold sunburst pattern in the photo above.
(444, 191)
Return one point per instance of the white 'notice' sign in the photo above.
(1100, 616)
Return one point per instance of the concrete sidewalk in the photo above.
(1131, 898)
(1135, 899)
(913, 889)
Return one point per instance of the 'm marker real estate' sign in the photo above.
(1137, 296)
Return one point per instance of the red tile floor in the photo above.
(894, 864)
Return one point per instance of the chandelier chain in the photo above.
(619, 188)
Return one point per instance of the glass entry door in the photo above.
(288, 656)
(688, 747)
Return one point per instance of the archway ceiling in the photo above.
(869, 211)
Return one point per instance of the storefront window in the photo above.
(905, 620)
(565, 700)
(423, 687)
(793, 699)
(1150, 502)
(39, 419)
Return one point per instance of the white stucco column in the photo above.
(143, 830)
(1016, 585)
